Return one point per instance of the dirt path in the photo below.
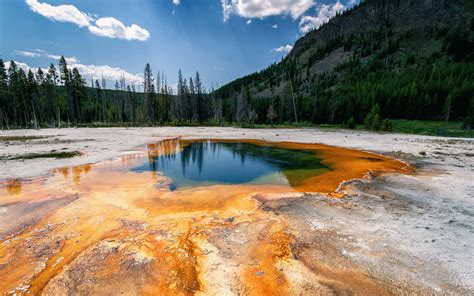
(395, 233)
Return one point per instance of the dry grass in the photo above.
(52, 154)
(20, 138)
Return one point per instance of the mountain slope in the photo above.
(399, 15)
(412, 58)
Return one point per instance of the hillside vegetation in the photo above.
(408, 59)
(380, 61)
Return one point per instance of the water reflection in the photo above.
(13, 186)
(211, 162)
(77, 172)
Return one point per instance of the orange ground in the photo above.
(100, 229)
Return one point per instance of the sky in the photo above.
(222, 39)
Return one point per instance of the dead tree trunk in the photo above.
(293, 99)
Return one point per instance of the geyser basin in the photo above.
(216, 162)
(184, 164)
(107, 227)
(303, 167)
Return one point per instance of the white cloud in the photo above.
(226, 9)
(284, 48)
(324, 13)
(93, 71)
(112, 28)
(249, 22)
(60, 13)
(265, 8)
(21, 65)
(57, 57)
(275, 26)
(109, 73)
(176, 2)
(105, 27)
(39, 53)
(27, 54)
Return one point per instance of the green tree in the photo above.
(78, 94)
(49, 85)
(31, 99)
(64, 73)
(149, 92)
(243, 112)
(373, 120)
(3, 96)
(199, 110)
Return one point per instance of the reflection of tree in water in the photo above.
(76, 172)
(64, 171)
(283, 159)
(238, 150)
(163, 153)
(195, 153)
(289, 162)
(14, 186)
(159, 154)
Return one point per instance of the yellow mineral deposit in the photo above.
(103, 229)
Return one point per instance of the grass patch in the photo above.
(53, 154)
(431, 128)
(20, 138)
(288, 125)
(417, 127)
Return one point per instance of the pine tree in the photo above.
(64, 73)
(124, 105)
(15, 96)
(158, 82)
(176, 104)
(52, 75)
(4, 120)
(21, 97)
(217, 108)
(98, 94)
(149, 91)
(182, 102)
(78, 94)
(242, 115)
(40, 76)
(65, 76)
(192, 107)
(191, 86)
(186, 103)
(103, 100)
(32, 102)
(199, 99)
(373, 121)
(50, 83)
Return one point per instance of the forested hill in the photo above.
(399, 59)
(398, 15)
(380, 60)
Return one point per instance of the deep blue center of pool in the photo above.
(210, 162)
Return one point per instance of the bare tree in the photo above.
(271, 115)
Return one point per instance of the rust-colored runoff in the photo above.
(102, 229)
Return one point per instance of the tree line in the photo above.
(59, 96)
(381, 79)
(423, 74)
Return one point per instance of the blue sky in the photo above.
(223, 39)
